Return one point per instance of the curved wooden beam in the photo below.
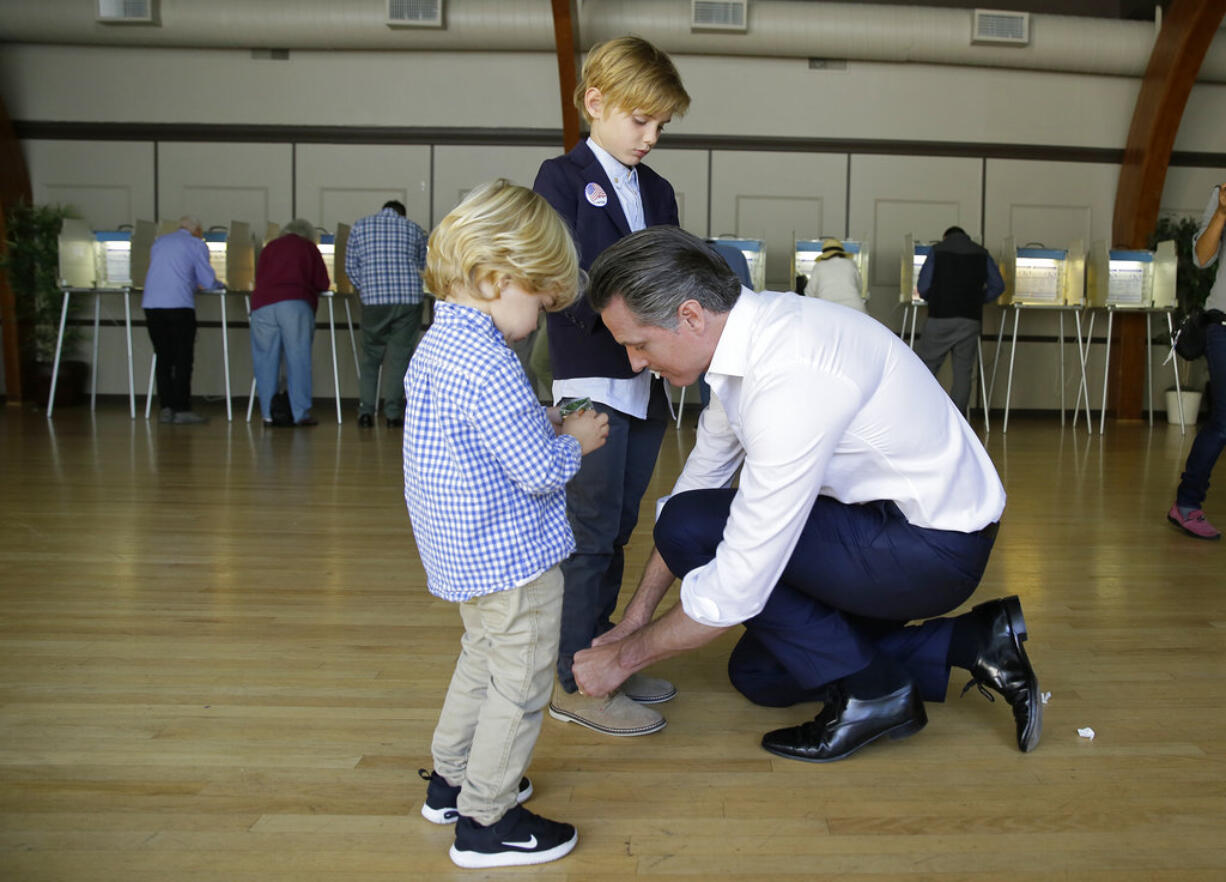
(14, 188)
(566, 41)
(1188, 28)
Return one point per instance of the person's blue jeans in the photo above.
(1194, 484)
(602, 503)
(287, 326)
(858, 574)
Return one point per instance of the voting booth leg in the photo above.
(1102, 414)
(127, 323)
(93, 365)
(1000, 339)
(59, 347)
(225, 356)
(153, 368)
(1061, 369)
(983, 389)
(353, 343)
(1083, 390)
(1183, 424)
(336, 381)
(1017, 314)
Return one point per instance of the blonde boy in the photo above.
(485, 467)
(628, 92)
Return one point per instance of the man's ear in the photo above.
(690, 315)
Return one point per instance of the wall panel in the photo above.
(109, 182)
(339, 183)
(778, 197)
(457, 169)
(222, 182)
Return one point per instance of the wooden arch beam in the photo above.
(1188, 28)
(14, 188)
(566, 42)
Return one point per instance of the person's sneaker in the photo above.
(441, 797)
(648, 690)
(613, 715)
(189, 418)
(1194, 524)
(517, 839)
(166, 415)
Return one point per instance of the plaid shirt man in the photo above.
(385, 258)
(484, 472)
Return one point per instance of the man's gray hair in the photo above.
(300, 227)
(656, 270)
(191, 223)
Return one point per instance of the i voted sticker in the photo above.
(596, 195)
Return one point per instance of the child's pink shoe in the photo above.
(1194, 524)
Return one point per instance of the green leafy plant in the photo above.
(32, 264)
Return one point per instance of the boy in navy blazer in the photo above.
(628, 91)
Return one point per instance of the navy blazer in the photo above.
(579, 343)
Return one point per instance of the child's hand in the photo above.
(589, 427)
(554, 415)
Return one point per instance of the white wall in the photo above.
(776, 195)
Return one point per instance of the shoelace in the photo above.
(983, 690)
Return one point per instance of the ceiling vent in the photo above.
(125, 11)
(718, 15)
(1001, 27)
(415, 13)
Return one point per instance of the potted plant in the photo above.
(32, 264)
(1192, 286)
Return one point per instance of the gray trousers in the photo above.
(388, 332)
(961, 335)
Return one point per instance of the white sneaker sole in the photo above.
(478, 860)
(604, 730)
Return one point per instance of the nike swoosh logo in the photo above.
(528, 843)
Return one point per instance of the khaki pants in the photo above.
(492, 714)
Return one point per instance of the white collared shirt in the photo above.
(817, 399)
(630, 395)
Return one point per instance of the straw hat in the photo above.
(831, 248)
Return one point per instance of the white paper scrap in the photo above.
(1086, 732)
(1045, 697)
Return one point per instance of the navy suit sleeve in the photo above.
(551, 183)
(995, 284)
(924, 282)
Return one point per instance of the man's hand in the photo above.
(596, 670)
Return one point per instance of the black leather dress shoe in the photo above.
(848, 723)
(1003, 667)
(395, 423)
(365, 420)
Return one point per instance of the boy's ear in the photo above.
(593, 102)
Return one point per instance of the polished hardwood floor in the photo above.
(218, 661)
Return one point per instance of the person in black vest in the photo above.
(957, 279)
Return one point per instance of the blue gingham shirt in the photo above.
(385, 258)
(484, 472)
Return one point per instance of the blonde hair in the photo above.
(632, 74)
(502, 230)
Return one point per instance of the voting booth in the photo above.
(806, 252)
(232, 254)
(340, 280)
(911, 261)
(1132, 279)
(1039, 276)
(755, 255)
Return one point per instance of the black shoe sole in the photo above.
(902, 730)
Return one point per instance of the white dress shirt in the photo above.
(816, 400)
(629, 395)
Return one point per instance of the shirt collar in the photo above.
(731, 357)
(618, 174)
(459, 313)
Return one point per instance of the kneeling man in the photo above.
(864, 502)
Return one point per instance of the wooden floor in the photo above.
(218, 661)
